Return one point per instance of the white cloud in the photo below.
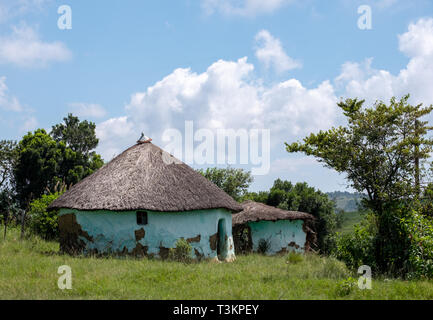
(362, 80)
(90, 110)
(270, 52)
(24, 48)
(227, 95)
(114, 135)
(243, 7)
(7, 102)
(15, 8)
(230, 95)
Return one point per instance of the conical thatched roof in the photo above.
(255, 211)
(144, 177)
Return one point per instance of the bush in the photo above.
(263, 246)
(182, 251)
(420, 231)
(357, 248)
(43, 222)
(345, 287)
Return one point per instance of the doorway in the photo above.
(222, 239)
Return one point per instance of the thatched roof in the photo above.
(255, 211)
(144, 177)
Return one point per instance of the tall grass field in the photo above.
(28, 270)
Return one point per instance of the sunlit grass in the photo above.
(28, 270)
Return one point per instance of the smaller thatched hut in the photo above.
(270, 230)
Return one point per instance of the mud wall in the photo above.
(282, 235)
(102, 232)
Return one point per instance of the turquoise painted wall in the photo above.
(279, 235)
(112, 231)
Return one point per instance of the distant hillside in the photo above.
(345, 200)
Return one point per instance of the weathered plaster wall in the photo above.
(282, 235)
(118, 232)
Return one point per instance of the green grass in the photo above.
(350, 219)
(28, 270)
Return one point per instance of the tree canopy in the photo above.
(77, 135)
(65, 156)
(378, 150)
(234, 182)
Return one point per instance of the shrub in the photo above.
(43, 222)
(420, 231)
(182, 251)
(345, 287)
(357, 248)
(263, 246)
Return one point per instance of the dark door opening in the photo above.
(222, 239)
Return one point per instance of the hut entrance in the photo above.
(222, 239)
(242, 238)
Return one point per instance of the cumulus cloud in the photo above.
(91, 110)
(271, 53)
(226, 96)
(362, 80)
(24, 48)
(243, 7)
(8, 102)
(229, 94)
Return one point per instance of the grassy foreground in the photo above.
(28, 270)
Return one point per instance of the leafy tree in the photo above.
(234, 182)
(42, 162)
(380, 151)
(261, 196)
(78, 135)
(38, 162)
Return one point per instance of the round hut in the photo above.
(141, 203)
(266, 229)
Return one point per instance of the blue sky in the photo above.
(282, 65)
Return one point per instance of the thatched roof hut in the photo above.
(262, 228)
(256, 211)
(145, 177)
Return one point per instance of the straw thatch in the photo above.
(144, 177)
(255, 211)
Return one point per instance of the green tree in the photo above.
(38, 162)
(234, 182)
(42, 162)
(379, 151)
(78, 135)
